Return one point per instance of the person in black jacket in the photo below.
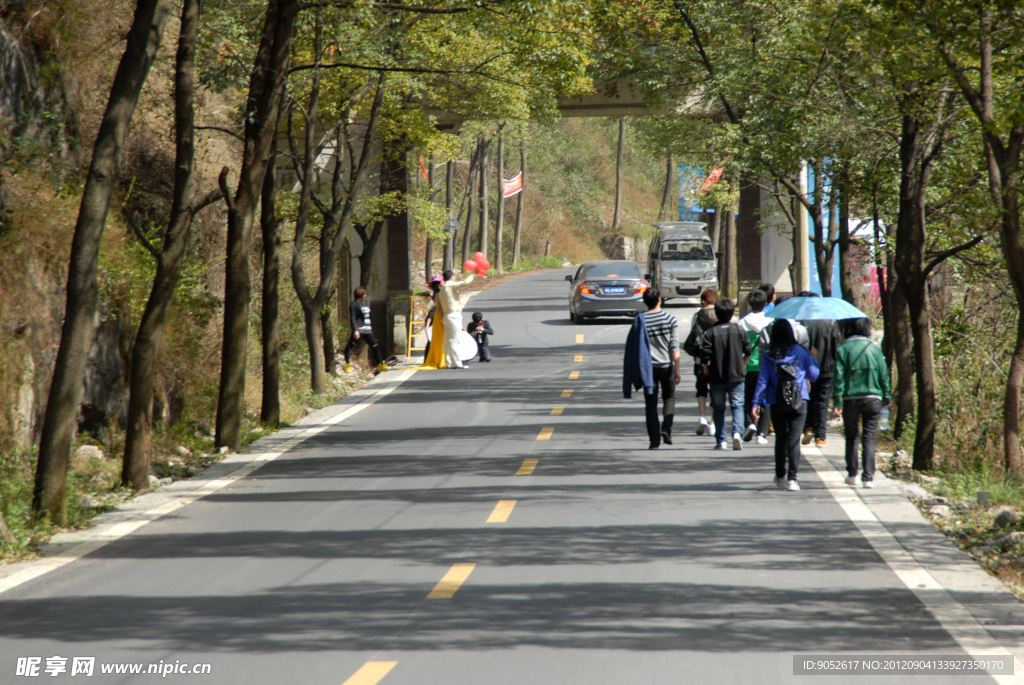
(480, 329)
(723, 352)
(359, 324)
(825, 338)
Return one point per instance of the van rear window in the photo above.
(695, 250)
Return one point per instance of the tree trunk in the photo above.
(428, 256)
(266, 83)
(315, 343)
(715, 229)
(366, 256)
(844, 243)
(135, 467)
(903, 352)
(517, 242)
(82, 287)
(467, 230)
(731, 280)
(617, 218)
(666, 198)
(270, 410)
(499, 256)
(485, 219)
(449, 199)
(327, 335)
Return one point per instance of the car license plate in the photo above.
(614, 290)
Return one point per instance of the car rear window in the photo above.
(625, 270)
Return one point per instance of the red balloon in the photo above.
(479, 258)
(484, 264)
(470, 265)
(482, 271)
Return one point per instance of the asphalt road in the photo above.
(614, 565)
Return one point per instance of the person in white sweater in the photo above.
(449, 301)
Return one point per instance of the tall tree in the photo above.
(271, 227)
(485, 218)
(517, 242)
(619, 153)
(266, 84)
(499, 256)
(665, 213)
(185, 204)
(82, 288)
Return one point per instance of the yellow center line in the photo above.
(574, 375)
(545, 433)
(527, 468)
(579, 338)
(566, 393)
(452, 581)
(557, 411)
(578, 358)
(501, 511)
(371, 673)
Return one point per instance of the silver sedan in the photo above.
(606, 288)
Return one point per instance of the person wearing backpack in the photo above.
(723, 353)
(753, 323)
(862, 385)
(704, 319)
(787, 369)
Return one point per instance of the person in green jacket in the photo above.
(862, 385)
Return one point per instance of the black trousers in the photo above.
(664, 376)
(748, 404)
(787, 441)
(484, 351)
(817, 407)
(369, 339)
(857, 414)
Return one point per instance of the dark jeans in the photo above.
(369, 339)
(856, 413)
(787, 441)
(817, 407)
(733, 393)
(484, 352)
(702, 381)
(665, 376)
(748, 404)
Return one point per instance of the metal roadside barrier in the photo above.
(413, 311)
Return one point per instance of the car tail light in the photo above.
(642, 287)
(586, 288)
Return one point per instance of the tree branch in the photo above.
(222, 130)
(141, 235)
(222, 182)
(953, 251)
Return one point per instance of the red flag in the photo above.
(423, 169)
(514, 186)
(712, 178)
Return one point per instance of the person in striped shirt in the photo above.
(663, 333)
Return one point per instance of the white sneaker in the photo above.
(853, 480)
(869, 484)
(711, 428)
(737, 444)
(702, 425)
(749, 433)
(722, 445)
(761, 440)
(792, 486)
(780, 483)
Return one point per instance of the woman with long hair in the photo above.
(787, 370)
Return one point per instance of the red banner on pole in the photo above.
(423, 169)
(712, 178)
(514, 186)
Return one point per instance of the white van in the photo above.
(682, 261)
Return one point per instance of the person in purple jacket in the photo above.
(789, 423)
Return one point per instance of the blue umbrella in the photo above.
(809, 308)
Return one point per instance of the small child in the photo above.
(359, 322)
(480, 329)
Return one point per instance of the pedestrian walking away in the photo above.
(862, 386)
(450, 301)
(652, 361)
(359, 324)
(702, 320)
(825, 338)
(787, 369)
(753, 323)
(480, 329)
(723, 353)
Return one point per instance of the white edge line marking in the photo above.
(119, 530)
(950, 614)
